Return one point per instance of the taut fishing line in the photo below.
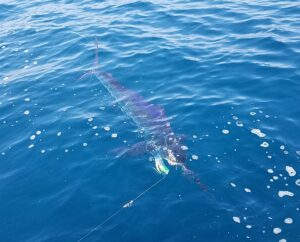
(126, 205)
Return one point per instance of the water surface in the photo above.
(220, 69)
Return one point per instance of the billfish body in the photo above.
(160, 140)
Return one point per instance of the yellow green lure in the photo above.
(160, 166)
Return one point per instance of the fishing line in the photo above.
(126, 205)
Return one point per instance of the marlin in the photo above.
(159, 139)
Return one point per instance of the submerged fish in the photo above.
(160, 141)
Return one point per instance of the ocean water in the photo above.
(227, 74)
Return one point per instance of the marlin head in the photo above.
(175, 151)
(171, 151)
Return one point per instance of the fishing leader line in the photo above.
(126, 205)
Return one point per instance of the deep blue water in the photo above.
(220, 70)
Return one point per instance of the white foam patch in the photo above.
(248, 226)
(236, 219)
(288, 221)
(114, 135)
(285, 193)
(27, 99)
(270, 171)
(264, 144)
(277, 230)
(59, 134)
(258, 133)
(297, 182)
(30, 146)
(290, 170)
(252, 113)
(95, 127)
(194, 157)
(32, 137)
(26, 112)
(247, 189)
(90, 119)
(106, 128)
(282, 240)
(282, 147)
(43, 151)
(239, 123)
(225, 131)
(183, 147)
(84, 144)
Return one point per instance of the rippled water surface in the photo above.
(227, 74)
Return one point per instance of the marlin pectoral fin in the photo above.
(134, 150)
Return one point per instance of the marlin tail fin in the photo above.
(96, 62)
